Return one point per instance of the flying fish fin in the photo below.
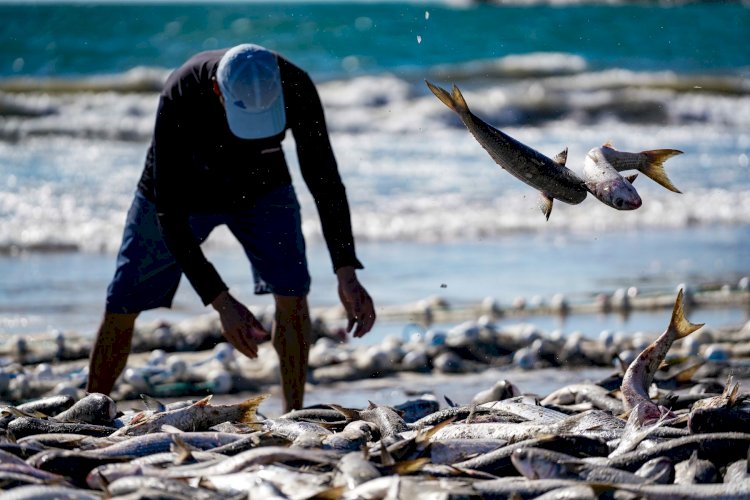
(545, 204)
(562, 157)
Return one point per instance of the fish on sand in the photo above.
(200, 415)
(549, 176)
(640, 373)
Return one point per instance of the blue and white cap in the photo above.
(250, 82)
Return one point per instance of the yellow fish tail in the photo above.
(655, 166)
(249, 408)
(681, 326)
(454, 100)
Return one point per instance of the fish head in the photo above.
(616, 192)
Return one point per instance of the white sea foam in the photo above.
(73, 152)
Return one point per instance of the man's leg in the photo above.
(291, 339)
(110, 352)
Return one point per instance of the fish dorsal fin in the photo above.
(204, 401)
(450, 403)
(562, 157)
(631, 178)
(424, 437)
(346, 412)
(152, 403)
(608, 144)
(371, 405)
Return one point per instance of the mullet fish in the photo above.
(607, 185)
(198, 416)
(549, 176)
(640, 373)
(650, 163)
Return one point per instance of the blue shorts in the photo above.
(147, 274)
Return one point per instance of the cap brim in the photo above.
(257, 124)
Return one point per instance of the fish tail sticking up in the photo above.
(678, 324)
(249, 407)
(454, 100)
(655, 166)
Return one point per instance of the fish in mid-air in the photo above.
(650, 163)
(549, 176)
(601, 174)
(607, 185)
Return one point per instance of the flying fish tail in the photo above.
(681, 326)
(454, 100)
(655, 166)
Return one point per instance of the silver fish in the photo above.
(732, 491)
(498, 462)
(198, 416)
(520, 487)
(94, 408)
(293, 429)
(535, 463)
(550, 177)
(737, 472)
(388, 422)
(354, 469)
(260, 456)
(720, 447)
(292, 483)
(640, 373)
(695, 471)
(38, 491)
(650, 163)
(132, 484)
(584, 392)
(606, 183)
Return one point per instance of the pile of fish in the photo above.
(601, 170)
(629, 436)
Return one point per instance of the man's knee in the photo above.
(119, 320)
(287, 306)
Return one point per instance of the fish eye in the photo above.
(619, 202)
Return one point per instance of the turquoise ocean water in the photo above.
(432, 214)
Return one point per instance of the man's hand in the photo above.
(360, 310)
(238, 324)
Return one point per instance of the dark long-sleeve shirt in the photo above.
(196, 165)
